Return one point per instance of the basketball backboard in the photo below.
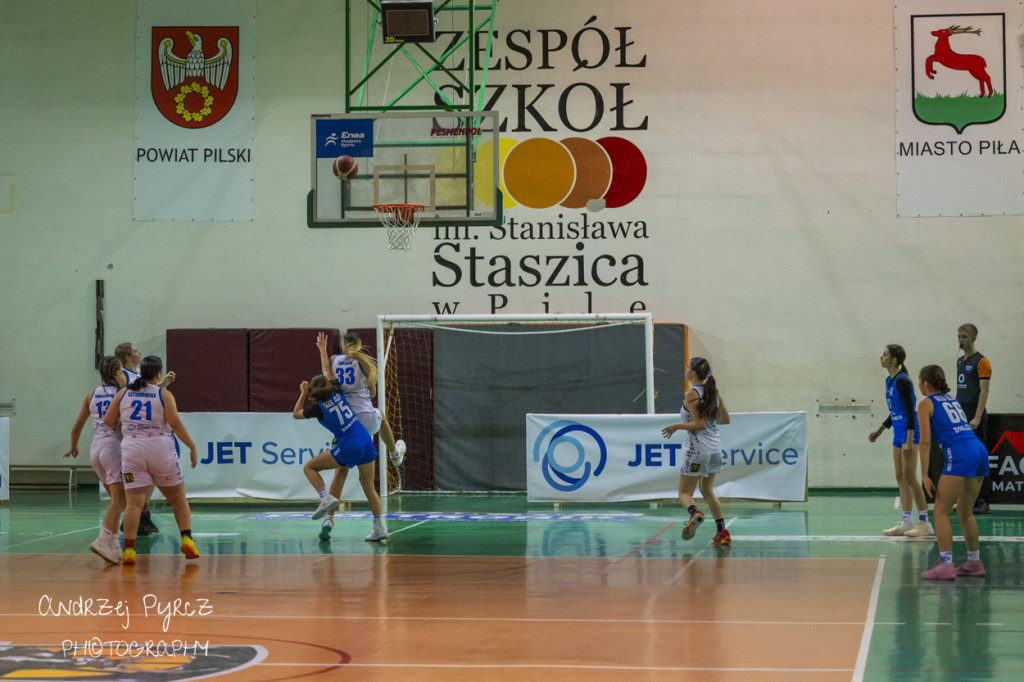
(445, 160)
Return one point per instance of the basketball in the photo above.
(345, 167)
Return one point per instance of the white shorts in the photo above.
(146, 461)
(370, 420)
(105, 457)
(702, 463)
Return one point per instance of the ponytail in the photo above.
(109, 367)
(352, 346)
(936, 377)
(707, 406)
(321, 388)
(150, 367)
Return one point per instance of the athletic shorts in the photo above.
(352, 455)
(105, 457)
(702, 463)
(370, 420)
(152, 460)
(966, 457)
(899, 435)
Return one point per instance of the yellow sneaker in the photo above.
(188, 548)
(128, 556)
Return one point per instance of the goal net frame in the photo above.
(387, 323)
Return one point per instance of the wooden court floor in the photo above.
(491, 588)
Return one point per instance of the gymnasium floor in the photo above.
(492, 588)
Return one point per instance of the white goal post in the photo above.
(386, 324)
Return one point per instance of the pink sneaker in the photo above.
(940, 571)
(971, 568)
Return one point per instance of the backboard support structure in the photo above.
(445, 160)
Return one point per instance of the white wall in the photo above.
(770, 211)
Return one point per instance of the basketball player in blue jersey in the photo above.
(149, 416)
(899, 396)
(352, 448)
(942, 418)
(357, 373)
(104, 455)
(702, 412)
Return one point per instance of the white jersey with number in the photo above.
(99, 403)
(349, 374)
(142, 412)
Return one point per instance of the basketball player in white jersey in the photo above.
(130, 357)
(357, 373)
(104, 455)
(149, 415)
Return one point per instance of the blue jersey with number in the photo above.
(899, 412)
(338, 418)
(949, 423)
(142, 412)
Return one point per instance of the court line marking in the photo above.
(868, 538)
(55, 535)
(869, 623)
(556, 666)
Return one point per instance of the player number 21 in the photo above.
(138, 405)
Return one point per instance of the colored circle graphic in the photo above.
(629, 174)
(574, 173)
(593, 171)
(539, 172)
(483, 173)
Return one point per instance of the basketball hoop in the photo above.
(401, 221)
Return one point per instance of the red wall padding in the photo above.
(211, 367)
(279, 360)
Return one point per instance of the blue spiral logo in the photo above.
(567, 476)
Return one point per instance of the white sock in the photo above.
(974, 556)
(946, 557)
(322, 492)
(922, 516)
(907, 516)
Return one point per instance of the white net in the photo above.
(401, 221)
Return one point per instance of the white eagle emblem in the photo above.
(175, 70)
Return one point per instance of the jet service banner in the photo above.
(959, 146)
(194, 111)
(623, 457)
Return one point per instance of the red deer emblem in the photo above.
(944, 54)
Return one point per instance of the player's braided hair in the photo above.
(935, 376)
(109, 369)
(707, 406)
(321, 388)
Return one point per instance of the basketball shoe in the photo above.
(325, 529)
(940, 571)
(328, 504)
(899, 529)
(398, 455)
(690, 529)
(188, 548)
(722, 537)
(103, 548)
(921, 529)
(128, 557)
(969, 567)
